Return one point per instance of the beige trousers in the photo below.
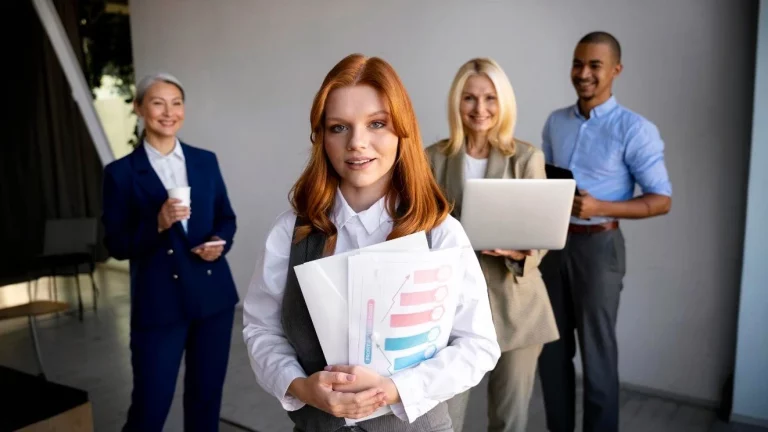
(510, 385)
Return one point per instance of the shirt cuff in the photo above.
(399, 411)
(665, 190)
(289, 402)
(413, 403)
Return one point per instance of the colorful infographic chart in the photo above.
(402, 306)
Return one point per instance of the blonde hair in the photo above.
(501, 135)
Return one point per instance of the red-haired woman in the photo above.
(367, 181)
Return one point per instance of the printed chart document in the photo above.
(388, 307)
(324, 285)
(401, 306)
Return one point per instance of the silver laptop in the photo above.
(517, 214)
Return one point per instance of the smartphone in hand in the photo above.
(210, 244)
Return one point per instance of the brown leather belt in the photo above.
(592, 229)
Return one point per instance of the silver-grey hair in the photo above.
(149, 80)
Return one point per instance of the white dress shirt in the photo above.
(171, 168)
(474, 168)
(472, 351)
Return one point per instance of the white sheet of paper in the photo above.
(402, 306)
(324, 285)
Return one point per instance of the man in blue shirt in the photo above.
(609, 149)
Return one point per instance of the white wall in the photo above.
(252, 67)
(750, 394)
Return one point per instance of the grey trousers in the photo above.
(584, 282)
(510, 385)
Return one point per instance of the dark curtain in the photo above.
(50, 168)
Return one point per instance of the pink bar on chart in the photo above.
(423, 297)
(440, 274)
(418, 318)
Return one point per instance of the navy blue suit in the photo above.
(179, 302)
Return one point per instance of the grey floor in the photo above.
(94, 356)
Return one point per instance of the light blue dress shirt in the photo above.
(608, 153)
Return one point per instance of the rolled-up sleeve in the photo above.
(272, 357)
(644, 155)
(472, 350)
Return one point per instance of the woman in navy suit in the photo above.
(182, 294)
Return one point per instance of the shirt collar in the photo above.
(153, 154)
(600, 110)
(372, 218)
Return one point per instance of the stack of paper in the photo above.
(388, 307)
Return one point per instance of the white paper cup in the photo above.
(182, 194)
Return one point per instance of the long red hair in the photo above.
(422, 204)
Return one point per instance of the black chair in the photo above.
(69, 250)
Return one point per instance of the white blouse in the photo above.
(171, 168)
(474, 168)
(472, 351)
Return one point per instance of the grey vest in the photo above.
(300, 332)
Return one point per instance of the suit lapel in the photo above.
(454, 180)
(147, 177)
(497, 165)
(196, 180)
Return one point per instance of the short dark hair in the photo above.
(606, 38)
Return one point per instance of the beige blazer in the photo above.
(522, 313)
